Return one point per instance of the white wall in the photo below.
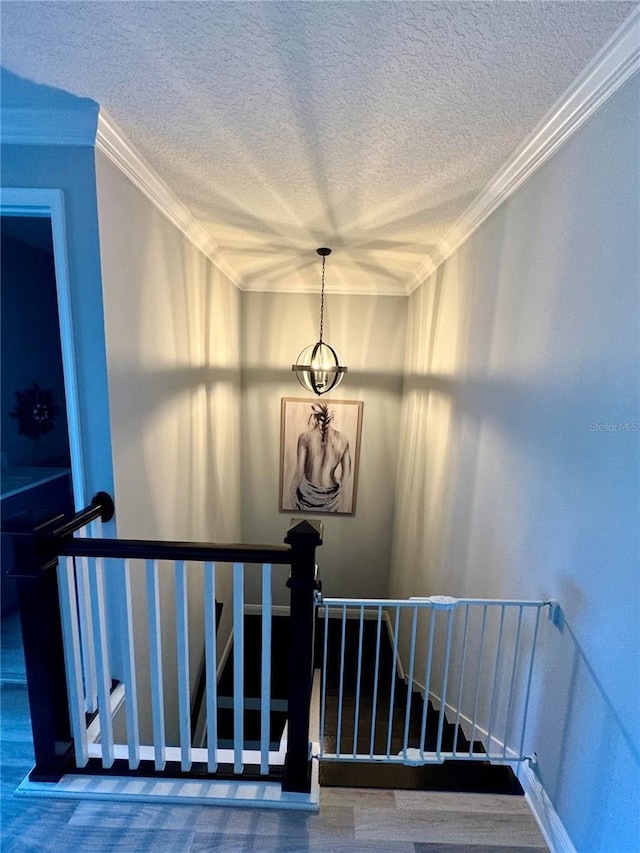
(520, 346)
(173, 355)
(369, 333)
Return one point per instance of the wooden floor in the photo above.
(350, 820)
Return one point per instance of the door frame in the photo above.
(49, 203)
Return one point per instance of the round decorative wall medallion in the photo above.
(36, 411)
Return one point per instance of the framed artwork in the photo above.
(319, 455)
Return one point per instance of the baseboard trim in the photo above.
(547, 818)
(263, 795)
(495, 748)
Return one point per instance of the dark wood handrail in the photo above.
(142, 549)
(101, 506)
(55, 539)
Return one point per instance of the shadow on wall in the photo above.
(279, 377)
(176, 418)
(23, 93)
(483, 429)
(579, 776)
(174, 374)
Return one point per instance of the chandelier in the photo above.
(319, 367)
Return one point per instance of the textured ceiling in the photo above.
(282, 126)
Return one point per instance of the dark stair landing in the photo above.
(461, 776)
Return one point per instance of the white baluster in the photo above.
(211, 655)
(72, 657)
(427, 679)
(496, 677)
(445, 679)
(155, 663)
(356, 718)
(410, 680)
(341, 690)
(103, 668)
(238, 666)
(182, 642)
(463, 661)
(265, 683)
(86, 635)
(374, 709)
(129, 669)
(323, 708)
(534, 643)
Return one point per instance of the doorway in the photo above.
(34, 429)
(41, 470)
(34, 218)
(34, 438)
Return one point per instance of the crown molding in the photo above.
(333, 289)
(88, 127)
(609, 70)
(113, 144)
(50, 126)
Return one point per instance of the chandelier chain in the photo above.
(322, 301)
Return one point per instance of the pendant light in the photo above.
(319, 368)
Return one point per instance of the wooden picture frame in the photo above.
(319, 455)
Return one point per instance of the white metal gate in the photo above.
(423, 680)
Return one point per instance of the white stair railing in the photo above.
(98, 741)
(113, 677)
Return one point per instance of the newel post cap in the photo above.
(304, 532)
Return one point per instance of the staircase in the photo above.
(475, 656)
(392, 695)
(253, 687)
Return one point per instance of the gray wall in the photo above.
(519, 452)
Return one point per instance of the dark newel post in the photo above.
(304, 537)
(35, 572)
(37, 582)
